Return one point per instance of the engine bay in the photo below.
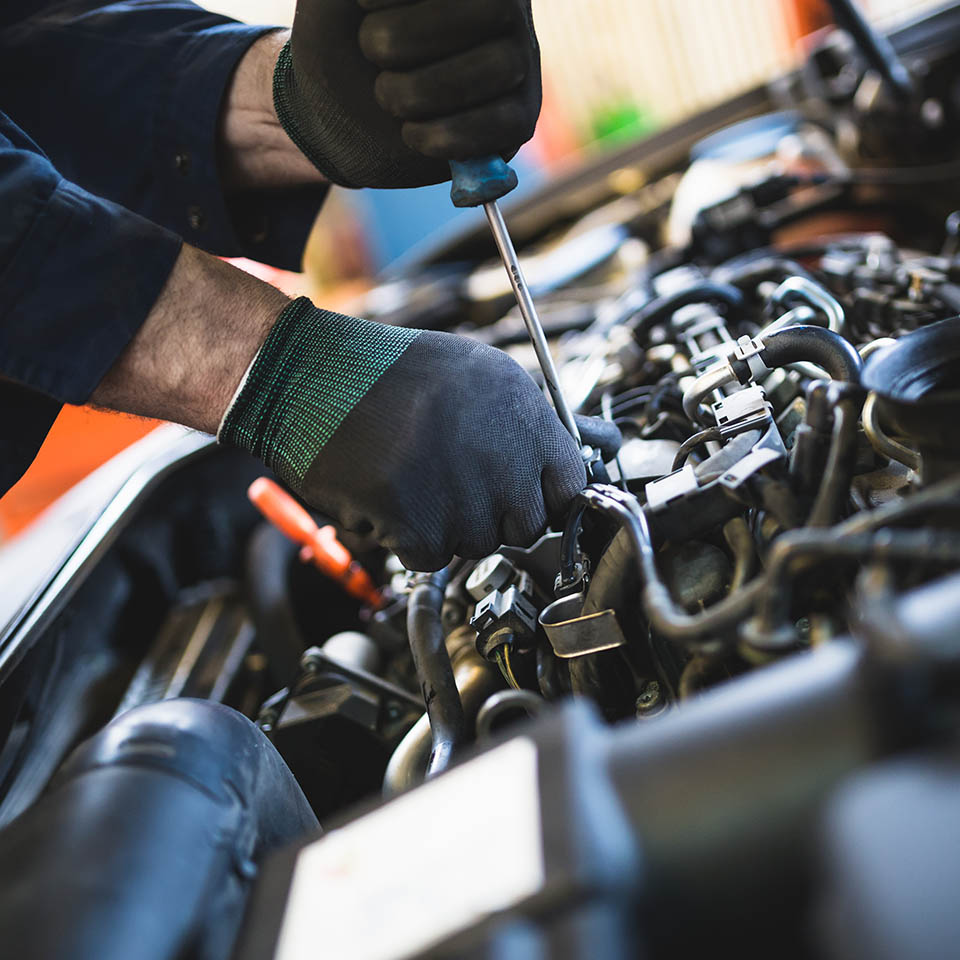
(781, 357)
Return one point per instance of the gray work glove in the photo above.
(383, 93)
(434, 443)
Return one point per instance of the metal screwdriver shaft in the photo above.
(482, 181)
(528, 311)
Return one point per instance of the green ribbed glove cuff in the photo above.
(313, 369)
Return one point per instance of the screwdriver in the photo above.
(319, 545)
(482, 181)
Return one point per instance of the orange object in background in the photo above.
(83, 438)
(808, 16)
(555, 143)
(80, 440)
(320, 545)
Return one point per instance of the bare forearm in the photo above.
(189, 356)
(255, 151)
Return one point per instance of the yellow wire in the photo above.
(508, 668)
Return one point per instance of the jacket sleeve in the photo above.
(78, 276)
(125, 98)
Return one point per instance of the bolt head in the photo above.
(650, 698)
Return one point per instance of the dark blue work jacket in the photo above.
(108, 119)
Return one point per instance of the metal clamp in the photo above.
(573, 634)
(748, 350)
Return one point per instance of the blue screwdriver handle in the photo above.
(480, 180)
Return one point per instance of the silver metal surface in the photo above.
(506, 704)
(816, 296)
(717, 376)
(528, 311)
(573, 634)
(476, 680)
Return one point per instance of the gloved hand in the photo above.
(436, 444)
(382, 93)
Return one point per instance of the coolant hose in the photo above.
(823, 347)
(432, 663)
(661, 309)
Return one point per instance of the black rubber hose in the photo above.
(267, 582)
(815, 344)
(664, 615)
(749, 273)
(857, 538)
(569, 549)
(661, 309)
(148, 838)
(432, 663)
(918, 548)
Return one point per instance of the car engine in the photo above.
(784, 382)
(756, 596)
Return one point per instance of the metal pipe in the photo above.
(796, 317)
(741, 543)
(930, 547)
(783, 346)
(885, 445)
(813, 294)
(854, 539)
(866, 349)
(691, 443)
(475, 679)
(664, 615)
(506, 703)
(841, 460)
(717, 376)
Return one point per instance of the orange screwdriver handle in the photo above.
(282, 510)
(319, 545)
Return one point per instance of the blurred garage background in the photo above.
(613, 70)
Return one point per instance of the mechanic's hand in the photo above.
(382, 93)
(437, 444)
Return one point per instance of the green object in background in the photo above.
(621, 122)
